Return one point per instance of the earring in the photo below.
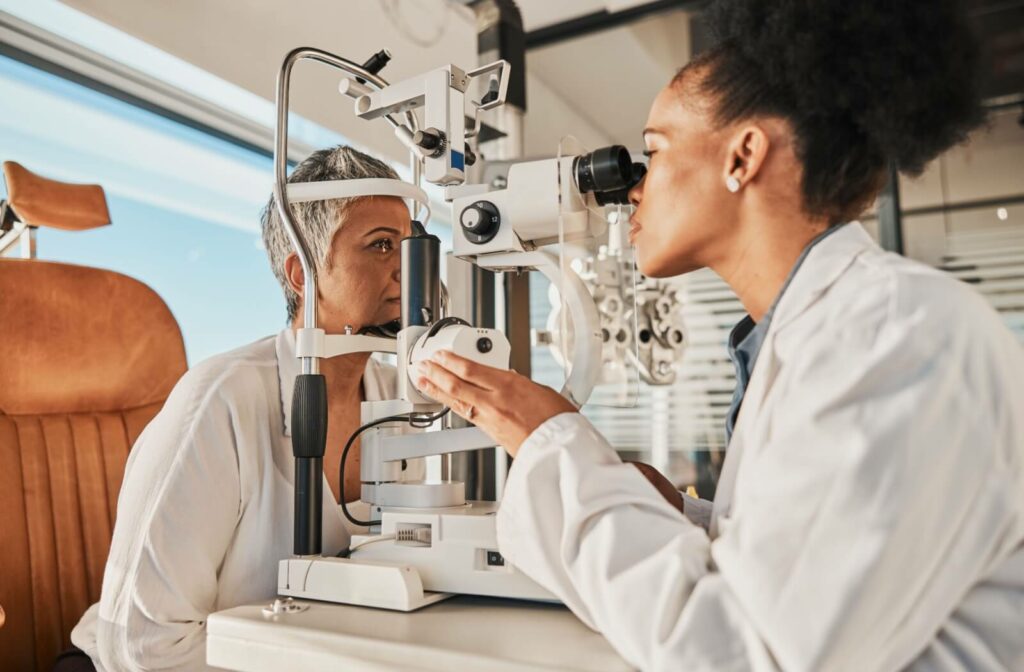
(732, 184)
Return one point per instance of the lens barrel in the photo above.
(621, 196)
(609, 173)
(603, 169)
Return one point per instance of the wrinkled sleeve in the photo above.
(597, 534)
(826, 556)
(177, 514)
(697, 510)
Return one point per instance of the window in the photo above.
(677, 428)
(966, 215)
(185, 182)
(184, 205)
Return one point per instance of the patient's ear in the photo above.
(293, 271)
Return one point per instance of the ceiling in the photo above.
(608, 78)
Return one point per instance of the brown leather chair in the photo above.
(87, 358)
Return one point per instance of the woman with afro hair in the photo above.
(870, 512)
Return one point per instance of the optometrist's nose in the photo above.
(636, 193)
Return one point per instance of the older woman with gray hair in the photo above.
(205, 510)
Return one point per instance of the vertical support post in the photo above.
(471, 297)
(28, 243)
(890, 221)
(500, 35)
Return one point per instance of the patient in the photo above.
(205, 511)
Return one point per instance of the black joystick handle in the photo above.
(309, 439)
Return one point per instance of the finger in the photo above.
(481, 375)
(460, 408)
(451, 385)
(438, 395)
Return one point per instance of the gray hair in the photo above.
(317, 221)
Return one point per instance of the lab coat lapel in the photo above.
(824, 264)
(822, 267)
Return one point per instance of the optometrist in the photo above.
(870, 511)
(205, 510)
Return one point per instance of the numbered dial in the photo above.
(480, 222)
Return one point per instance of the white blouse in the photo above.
(205, 510)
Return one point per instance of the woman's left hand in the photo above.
(504, 404)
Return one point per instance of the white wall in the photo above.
(990, 165)
(612, 77)
(244, 41)
(549, 118)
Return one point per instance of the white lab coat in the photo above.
(205, 510)
(870, 512)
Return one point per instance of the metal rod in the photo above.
(11, 238)
(416, 163)
(309, 364)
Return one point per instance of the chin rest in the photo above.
(38, 201)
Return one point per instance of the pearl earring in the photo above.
(732, 184)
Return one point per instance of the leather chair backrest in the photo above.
(87, 358)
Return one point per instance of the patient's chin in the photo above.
(389, 316)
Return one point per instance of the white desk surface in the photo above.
(462, 633)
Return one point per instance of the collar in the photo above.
(375, 383)
(747, 334)
(821, 267)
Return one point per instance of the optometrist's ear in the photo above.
(293, 271)
(747, 151)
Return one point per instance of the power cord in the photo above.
(371, 540)
(418, 420)
(419, 535)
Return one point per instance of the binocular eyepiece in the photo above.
(609, 173)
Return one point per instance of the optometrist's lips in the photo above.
(634, 230)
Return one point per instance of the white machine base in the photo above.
(343, 581)
(461, 557)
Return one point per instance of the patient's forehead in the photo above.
(367, 214)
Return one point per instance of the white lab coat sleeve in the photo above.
(833, 535)
(598, 535)
(863, 514)
(177, 514)
(697, 510)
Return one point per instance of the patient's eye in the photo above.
(383, 245)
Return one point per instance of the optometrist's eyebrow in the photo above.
(652, 131)
(383, 229)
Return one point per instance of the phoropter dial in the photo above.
(480, 222)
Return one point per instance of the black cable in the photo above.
(444, 322)
(417, 420)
